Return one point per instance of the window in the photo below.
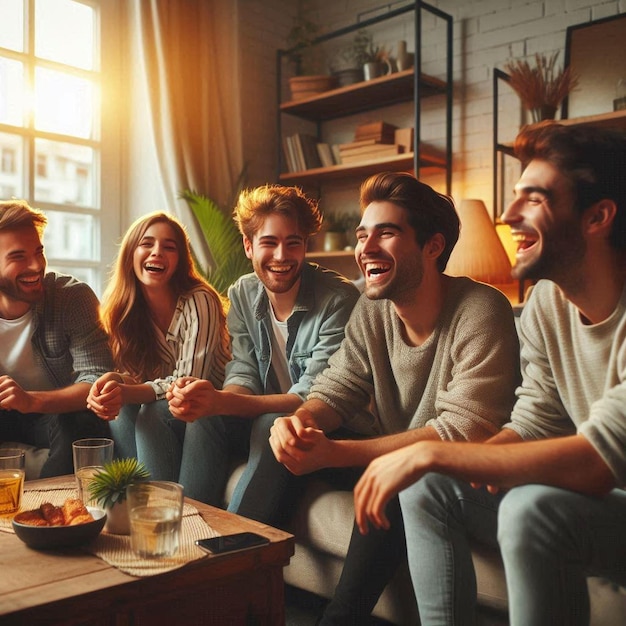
(51, 124)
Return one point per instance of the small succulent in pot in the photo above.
(108, 486)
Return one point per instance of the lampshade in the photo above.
(479, 253)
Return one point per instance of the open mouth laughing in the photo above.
(375, 270)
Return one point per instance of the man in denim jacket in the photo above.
(53, 347)
(285, 320)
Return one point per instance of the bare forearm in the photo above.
(360, 452)
(567, 462)
(137, 394)
(65, 400)
(238, 401)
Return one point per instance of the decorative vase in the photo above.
(405, 59)
(544, 112)
(118, 522)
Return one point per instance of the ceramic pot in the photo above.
(334, 241)
(118, 522)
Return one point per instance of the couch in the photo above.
(322, 526)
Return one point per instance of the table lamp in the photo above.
(479, 253)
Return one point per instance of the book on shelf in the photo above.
(301, 152)
(382, 131)
(361, 147)
(306, 147)
(290, 159)
(405, 137)
(334, 148)
(376, 152)
(326, 154)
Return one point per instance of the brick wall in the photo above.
(487, 34)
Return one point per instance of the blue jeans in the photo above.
(153, 435)
(550, 539)
(265, 490)
(54, 431)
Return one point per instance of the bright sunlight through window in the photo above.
(50, 148)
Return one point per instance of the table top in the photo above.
(32, 577)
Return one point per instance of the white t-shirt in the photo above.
(17, 358)
(279, 352)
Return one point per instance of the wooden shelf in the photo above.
(329, 254)
(384, 91)
(615, 120)
(429, 158)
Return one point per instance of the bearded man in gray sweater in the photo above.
(426, 357)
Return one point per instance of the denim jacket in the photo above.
(315, 330)
(68, 339)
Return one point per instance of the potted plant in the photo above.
(348, 60)
(223, 240)
(541, 88)
(376, 62)
(108, 488)
(308, 78)
(338, 230)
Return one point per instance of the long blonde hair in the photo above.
(124, 308)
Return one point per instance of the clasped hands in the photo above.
(299, 444)
(105, 396)
(190, 398)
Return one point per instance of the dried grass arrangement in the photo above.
(541, 88)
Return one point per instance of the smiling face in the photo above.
(387, 253)
(544, 224)
(156, 256)
(277, 253)
(22, 268)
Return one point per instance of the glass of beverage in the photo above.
(90, 455)
(155, 509)
(12, 461)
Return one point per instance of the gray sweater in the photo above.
(461, 380)
(574, 376)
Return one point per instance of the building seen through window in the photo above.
(50, 127)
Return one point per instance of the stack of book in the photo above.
(380, 131)
(366, 149)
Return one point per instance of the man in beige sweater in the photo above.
(433, 358)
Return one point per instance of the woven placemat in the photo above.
(115, 549)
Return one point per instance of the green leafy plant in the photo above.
(108, 485)
(223, 240)
(301, 52)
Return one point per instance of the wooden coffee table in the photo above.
(76, 588)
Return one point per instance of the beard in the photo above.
(562, 249)
(11, 289)
(399, 289)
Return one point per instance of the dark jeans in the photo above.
(370, 564)
(53, 431)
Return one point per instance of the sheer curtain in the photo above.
(184, 120)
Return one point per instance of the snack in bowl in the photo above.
(50, 526)
(72, 512)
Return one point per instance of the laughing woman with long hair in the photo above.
(164, 321)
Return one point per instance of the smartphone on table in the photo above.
(232, 543)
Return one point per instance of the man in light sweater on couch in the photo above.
(562, 456)
(434, 357)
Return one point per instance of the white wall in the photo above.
(487, 34)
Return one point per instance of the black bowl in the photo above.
(51, 537)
